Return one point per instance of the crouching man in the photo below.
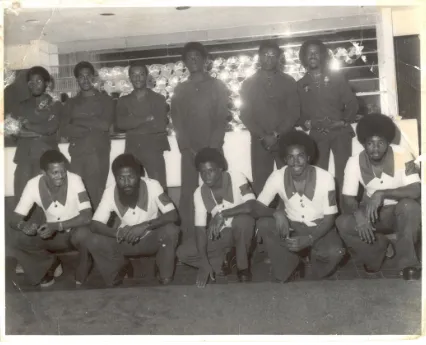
(391, 188)
(309, 198)
(64, 200)
(147, 226)
(226, 197)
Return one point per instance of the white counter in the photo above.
(236, 148)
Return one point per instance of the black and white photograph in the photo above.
(218, 169)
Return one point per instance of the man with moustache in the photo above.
(390, 202)
(147, 216)
(270, 109)
(199, 111)
(223, 197)
(143, 115)
(86, 123)
(307, 222)
(328, 106)
(64, 200)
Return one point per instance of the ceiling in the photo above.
(66, 25)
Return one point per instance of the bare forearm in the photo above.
(164, 219)
(201, 241)
(323, 227)
(259, 210)
(83, 219)
(411, 191)
(350, 204)
(102, 229)
(43, 129)
(245, 208)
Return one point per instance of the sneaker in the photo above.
(390, 251)
(58, 271)
(19, 269)
(47, 281)
(244, 276)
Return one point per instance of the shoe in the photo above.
(244, 276)
(19, 269)
(56, 269)
(165, 281)
(47, 281)
(411, 273)
(226, 268)
(369, 270)
(78, 284)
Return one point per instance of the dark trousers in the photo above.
(111, 257)
(239, 235)
(340, 142)
(262, 164)
(153, 161)
(189, 183)
(326, 252)
(93, 168)
(36, 254)
(404, 219)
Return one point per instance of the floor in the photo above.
(351, 301)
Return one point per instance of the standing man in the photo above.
(64, 200)
(88, 118)
(143, 115)
(147, 227)
(328, 106)
(270, 109)
(39, 116)
(307, 223)
(391, 190)
(225, 197)
(199, 114)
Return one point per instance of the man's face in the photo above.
(85, 79)
(297, 160)
(376, 148)
(127, 180)
(210, 173)
(37, 85)
(138, 77)
(56, 173)
(269, 59)
(313, 56)
(194, 61)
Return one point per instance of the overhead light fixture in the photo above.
(107, 14)
(32, 21)
(183, 8)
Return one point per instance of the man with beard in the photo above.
(328, 106)
(225, 196)
(143, 115)
(391, 188)
(39, 117)
(199, 111)
(147, 227)
(64, 200)
(270, 108)
(87, 120)
(309, 197)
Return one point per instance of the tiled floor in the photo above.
(144, 274)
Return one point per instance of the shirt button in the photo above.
(381, 181)
(303, 216)
(56, 205)
(134, 212)
(59, 218)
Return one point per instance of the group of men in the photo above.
(224, 212)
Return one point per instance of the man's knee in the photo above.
(20, 240)
(408, 207)
(169, 233)
(244, 223)
(80, 236)
(345, 224)
(266, 227)
(332, 254)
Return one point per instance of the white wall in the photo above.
(38, 52)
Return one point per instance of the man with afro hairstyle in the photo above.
(199, 111)
(328, 106)
(224, 197)
(391, 188)
(307, 223)
(86, 123)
